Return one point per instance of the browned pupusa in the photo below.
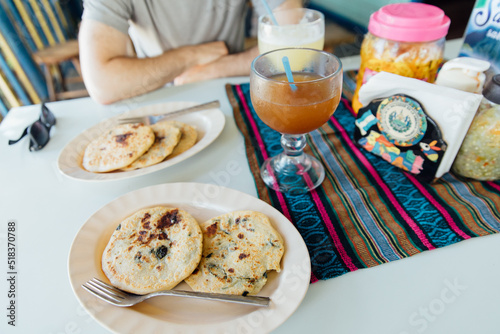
(188, 138)
(152, 250)
(118, 147)
(239, 248)
(167, 137)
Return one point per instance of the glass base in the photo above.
(292, 175)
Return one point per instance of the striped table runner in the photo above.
(366, 212)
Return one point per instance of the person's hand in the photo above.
(236, 64)
(196, 73)
(209, 52)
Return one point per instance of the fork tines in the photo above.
(104, 291)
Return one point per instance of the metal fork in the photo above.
(121, 298)
(152, 119)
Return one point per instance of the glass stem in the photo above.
(293, 160)
(293, 145)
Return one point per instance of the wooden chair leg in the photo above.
(69, 94)
(62, 78)
(76, 63)
(50, 83)
(53, 76)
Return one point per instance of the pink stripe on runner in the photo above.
(493, 185)
(329, 225)
(314, 279)
(384, 187)
(438, 206)
(255, 129)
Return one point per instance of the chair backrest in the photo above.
(27, 26)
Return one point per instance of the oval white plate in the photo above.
(185, 315)
(208, 123)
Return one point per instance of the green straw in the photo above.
(288, 72)
(270, 12)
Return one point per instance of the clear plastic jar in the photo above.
(479, 155)
(405, 39)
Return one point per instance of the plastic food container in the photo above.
(479, 155)
(463, 73)
(405, 39)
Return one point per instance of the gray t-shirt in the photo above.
(159, 25)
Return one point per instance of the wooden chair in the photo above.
(50, 59)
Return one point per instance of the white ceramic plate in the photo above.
(185, 315)
(208, 124)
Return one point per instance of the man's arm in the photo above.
(230, 65)
(112, 74)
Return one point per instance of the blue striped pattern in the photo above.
(23, 43)
(367, 212)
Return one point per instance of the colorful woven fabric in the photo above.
(367, 212)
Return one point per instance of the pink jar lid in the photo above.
(409, 22)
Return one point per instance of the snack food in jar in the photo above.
(479, 155)
(405, 39)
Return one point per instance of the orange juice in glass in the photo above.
(294, 109)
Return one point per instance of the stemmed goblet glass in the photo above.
(294, 109)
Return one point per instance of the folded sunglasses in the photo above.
(39, 131)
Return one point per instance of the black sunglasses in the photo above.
(39, 131)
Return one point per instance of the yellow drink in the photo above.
(297, 59)
(297, 28)
(269, 45)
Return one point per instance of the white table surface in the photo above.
(450, 290)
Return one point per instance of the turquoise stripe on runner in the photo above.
(366, 211)
(328, 258)
(334, 208)
(415, 204)
(365, 218)
(391, 228)
(474, 201)
(381, 181)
